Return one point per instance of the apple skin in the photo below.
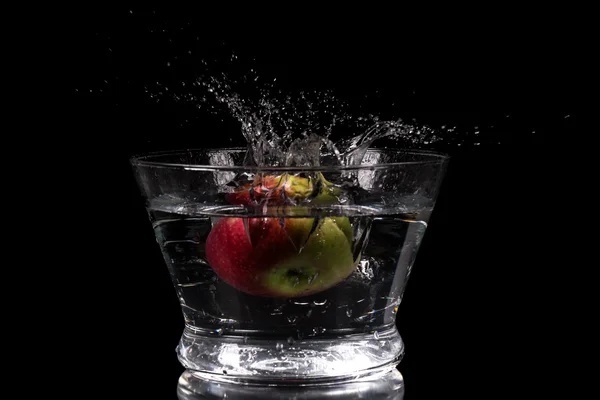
(281, 261)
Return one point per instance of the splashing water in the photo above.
(289, 129)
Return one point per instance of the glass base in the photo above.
(309, 361)
(382, 385)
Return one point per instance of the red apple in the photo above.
(280, 261)
(282, 257)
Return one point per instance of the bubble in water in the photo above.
(320, 302)
(292, 318)
(290, 340)
(317, 331)
(279, 346)
(349, 312)
(376, 335)
(365, 269)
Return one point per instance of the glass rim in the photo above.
(144, 160)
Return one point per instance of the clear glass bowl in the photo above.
(289, 274)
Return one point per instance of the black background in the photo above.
(475, 301)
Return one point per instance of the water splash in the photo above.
(295, 129)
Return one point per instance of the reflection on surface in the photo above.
(383, 386)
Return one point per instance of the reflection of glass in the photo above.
(289, 272)
(384, 386)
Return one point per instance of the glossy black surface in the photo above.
(382, 386)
